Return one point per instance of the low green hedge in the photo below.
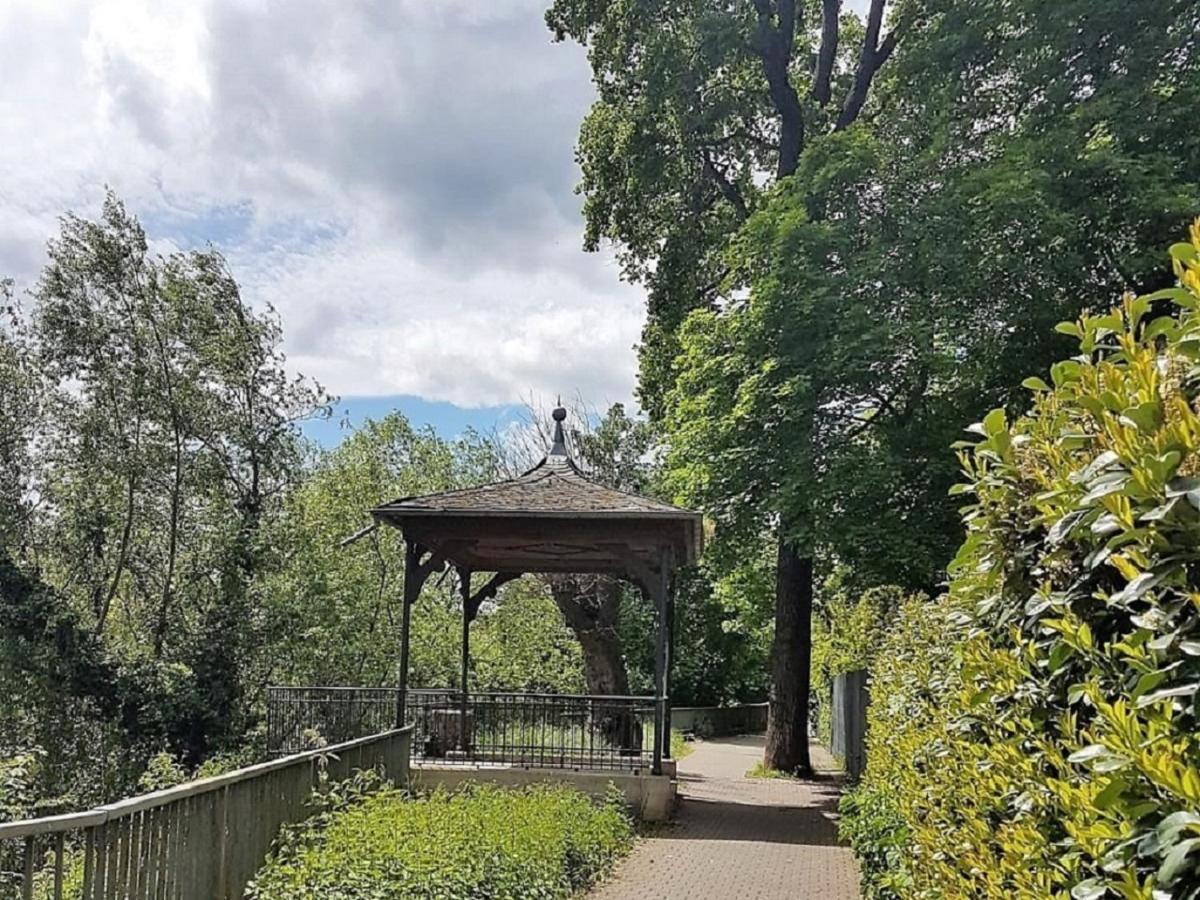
(478, 843)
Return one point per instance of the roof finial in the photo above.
(559, 447)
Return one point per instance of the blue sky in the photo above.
(448, 420)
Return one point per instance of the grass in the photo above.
(545, 842)
(679, 747)
(760, 770)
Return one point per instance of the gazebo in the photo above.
(552, 519)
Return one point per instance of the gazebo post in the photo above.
(464, 580)
(412, 588)
(669, 589)
(659, 592)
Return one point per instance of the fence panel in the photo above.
(849, 721)
(530, 730)
(198, 841)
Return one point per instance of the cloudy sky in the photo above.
(395, 176)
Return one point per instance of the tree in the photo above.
(346, 597)
(850, 324)
(699, 105)
(169, 434)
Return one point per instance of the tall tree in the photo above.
(170, 433)
(812, 338)
(701, 105)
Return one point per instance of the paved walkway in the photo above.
(738, 838)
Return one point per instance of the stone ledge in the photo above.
(650, 797)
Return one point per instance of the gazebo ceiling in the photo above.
(550, 519)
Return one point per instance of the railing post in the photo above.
(464, 578)
(222, 826)
(27, 877)
(669, 608)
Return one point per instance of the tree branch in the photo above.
(772, 42)
(728, 189)
(874, 54)
(830, 33)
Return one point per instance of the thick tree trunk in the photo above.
(791, 656)
(592, 605)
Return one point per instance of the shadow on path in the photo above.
(736, 837)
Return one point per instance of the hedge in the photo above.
(483, 841)
(1049, 747)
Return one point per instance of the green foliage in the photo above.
(347, 598)
(847, 632)
(483, 841)
(914, 684)
(162, 771)
(1066, 756)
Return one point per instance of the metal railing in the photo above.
(199, 841)
(529, 730)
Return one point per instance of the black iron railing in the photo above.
(560, 731)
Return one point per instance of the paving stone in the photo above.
(739, 838)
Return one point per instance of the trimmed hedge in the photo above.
(1043, 741)
(483, 841)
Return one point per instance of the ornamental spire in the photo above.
(559, 447)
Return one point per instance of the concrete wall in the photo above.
(720, 721)
(849, 731)
(650, 797)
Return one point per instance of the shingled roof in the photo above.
(555, 490)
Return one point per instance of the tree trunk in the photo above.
(592, 605)
(791, 657)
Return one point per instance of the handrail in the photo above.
(454, 690)
(101, 815)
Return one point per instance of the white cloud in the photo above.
(396, 178)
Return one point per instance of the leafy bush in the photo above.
(915, 676)
(846, 634)
(1054, 749)
(481, 842)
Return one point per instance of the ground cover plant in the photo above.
(538, 843)
(1052, 751)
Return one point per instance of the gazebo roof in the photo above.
(552, 518)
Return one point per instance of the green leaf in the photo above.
(1111, 793)
(1176, 860)
(1069, 328)
(1088, 753)
(994, 422)
(1182, 690)
(1035, 384)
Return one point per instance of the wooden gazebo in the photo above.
(551, 519)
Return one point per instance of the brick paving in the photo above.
(738, 838)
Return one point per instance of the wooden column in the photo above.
(415, 573)
(464, 580)
(658, 590)
(669, 588)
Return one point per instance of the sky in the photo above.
(395, 177)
